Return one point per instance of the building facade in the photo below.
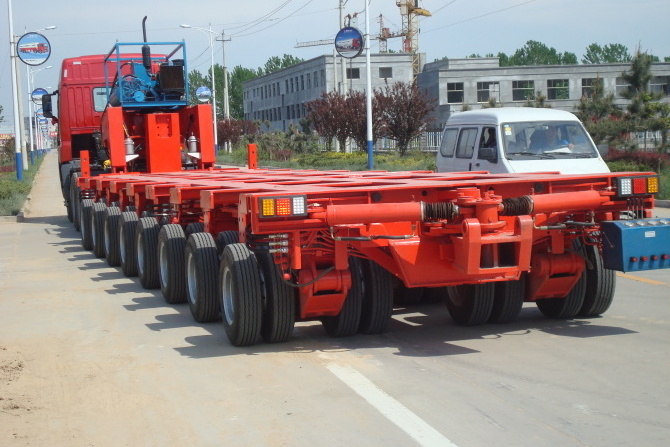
(279, 98)
(459, 84)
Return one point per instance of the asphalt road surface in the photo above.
(89, 358)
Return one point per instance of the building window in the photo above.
(558, 89)
(487, 91)
(302, 82)
(353, 73)
(622, 86)
(286, 85)
(316, 80)
(523, 90)
(309, 82)
(659, 85)
(588, 85)
(323, 78)
(385, 72)
(454, 92)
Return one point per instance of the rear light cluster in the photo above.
(634, 186)
(647, 258)
(283, 206)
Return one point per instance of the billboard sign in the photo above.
(203, 94)
(36, 95)
(349, 42)
(33, 49)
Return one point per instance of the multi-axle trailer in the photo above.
(262, 249)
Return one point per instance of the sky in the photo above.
(260, 29)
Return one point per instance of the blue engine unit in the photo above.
(634, 245)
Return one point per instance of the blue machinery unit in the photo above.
(634, 245)
(145, 80)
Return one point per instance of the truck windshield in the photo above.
(547, 139)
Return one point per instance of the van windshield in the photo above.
(547, 139)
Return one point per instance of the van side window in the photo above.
(488, 138)
(448, 142)
(466, 143)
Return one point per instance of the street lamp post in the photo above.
(17, 117)
(210, 34)
(226, 103)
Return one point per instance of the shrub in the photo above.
(642, 160)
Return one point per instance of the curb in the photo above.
(662, 203)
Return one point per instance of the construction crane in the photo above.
(410, 13)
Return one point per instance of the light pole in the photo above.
(210, 34)
(15, 94)
(31, 112)
(226, 103)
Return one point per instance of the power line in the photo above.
(277, 22)
(478, 17)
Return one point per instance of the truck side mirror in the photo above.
(489, 154)
(47, 108)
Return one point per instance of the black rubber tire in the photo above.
(470, 304)
(68, 199)
(194, 227)
(568, 307)
(85, 210)
(600, 284)
(202, 265)
(127, 248)
(346, 323)
(98, 228)
(407, 296)
(111, 234)
(171, 265)
(278, 300)
(377, 304)
(226, 238)
(508, 300)
(146, 241)
(74, 200)
(240, 295)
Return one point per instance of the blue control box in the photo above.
(637, 244)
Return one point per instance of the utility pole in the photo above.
(16, 95)
(226, 101)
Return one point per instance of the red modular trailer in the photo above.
(267, 247)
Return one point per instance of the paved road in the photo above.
(87, 357)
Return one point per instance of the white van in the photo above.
(517, 139)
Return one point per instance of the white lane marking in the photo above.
(410, 423)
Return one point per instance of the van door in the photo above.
(445, 155)
(465, 150)
(487, 158)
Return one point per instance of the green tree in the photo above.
(236, 79)
(600, 115)
(277, 63)
(195, 81)
(537, 53)
(608, 54)
(2, 118)
(638, 77)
